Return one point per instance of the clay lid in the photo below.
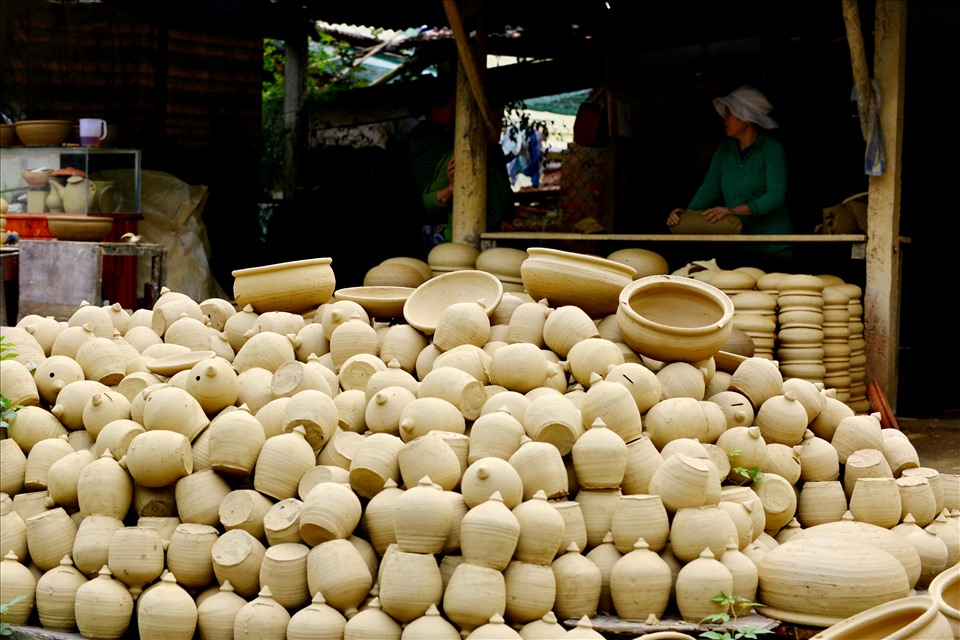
(68, 172)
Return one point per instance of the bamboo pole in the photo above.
(858, 59)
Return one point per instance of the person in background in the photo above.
(438, 194)
(429, 142)
(747, 177)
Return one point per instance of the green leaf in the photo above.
(714, 635)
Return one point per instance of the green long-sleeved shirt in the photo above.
(756, 178)
(499, 193)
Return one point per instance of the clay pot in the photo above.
(159, 458)
(911, 617)
(409, 584)
(422, 518)
(63, 476)
(317, 621)
(697, 582)
(823, 501)
(103, 607)
(599, 457)
(56, 596)
(553, 419)
(579, 583)
(541, 468)
(330, 511)
(698, 528)
(797, 577)
(281, 287)
(489, 533)
(682, 481)
(262, 618)
(136, 557)
(488, 476)
(375, 461)
(640, 583)
(945, 591)
(644, 261)
(917, 498)
(282, 461)
(430, 455)
(167, 611)
(237, 557)
(567, 278)
(541, 530)
(420, 416)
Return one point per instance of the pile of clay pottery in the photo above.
(487, 464)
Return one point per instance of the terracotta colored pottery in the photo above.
(671, 318)
(103, 607)
(294, 287)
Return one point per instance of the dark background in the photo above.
(184, 86)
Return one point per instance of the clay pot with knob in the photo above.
(103, 607)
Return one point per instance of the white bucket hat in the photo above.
(748, 104)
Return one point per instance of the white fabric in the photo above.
(748, 104)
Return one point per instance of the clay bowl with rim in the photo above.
(380, 301)
(671, 318)
(36, 178)
(43, 133)
(451, 256)
(646, 262)
(569, 278)
(503, 262)
(424, 306)
(79, 227)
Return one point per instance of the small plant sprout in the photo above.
(733, 608)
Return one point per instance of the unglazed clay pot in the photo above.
(808, 582)
(295, 287)
(640, 583)
(410, 583)
(697, 582)
(103, 607)
(913, 617)
(567, 278)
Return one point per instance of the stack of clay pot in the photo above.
(858, 357)
(756, 315)
(836, 340)
(197, 468)
(801, 333)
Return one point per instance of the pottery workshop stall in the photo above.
(86, 199)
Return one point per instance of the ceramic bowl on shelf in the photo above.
(79, 227)
(379, 301)
(43, 133)
(36, 178)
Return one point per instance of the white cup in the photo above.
(92, 131)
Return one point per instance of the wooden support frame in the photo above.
(882, 294)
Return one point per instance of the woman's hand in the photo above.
(716, 214)
(674, 218)
(451, 169)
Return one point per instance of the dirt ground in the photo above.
(937, 441)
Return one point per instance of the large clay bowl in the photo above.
(378, 301)
(295, 287)
(43, 133)
(914, 617)
(673, 318)
(568, 278)
(79, 227)
(36, 178)
(424, 306)
(646, 262)
(503, 262)
(451, 256)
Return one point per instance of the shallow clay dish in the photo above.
(43, 133)
(379, 301)
(79, 227)
(169, 365)
(423, 308)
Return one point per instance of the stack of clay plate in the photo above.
(836, 341)
(452, 256)
(800, 337)
(504, 263)
(730, 281)
(755, 314)
(858, 358)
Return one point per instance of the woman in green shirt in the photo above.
(747, 176)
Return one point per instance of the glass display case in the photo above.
(87, 180)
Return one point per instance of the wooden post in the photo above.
(470, 149)
(294, 101)
(882, 293)
(858, 59)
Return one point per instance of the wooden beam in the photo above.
(881, 307)
(470, 148)
(294, 105)
(468, 59)
(858, 59)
